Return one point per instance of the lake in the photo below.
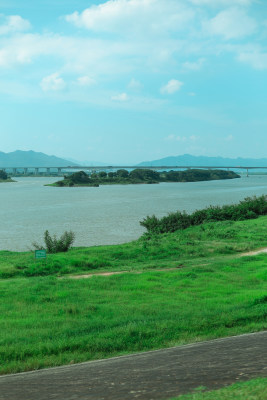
(107, 214)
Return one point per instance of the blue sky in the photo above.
(124, 81)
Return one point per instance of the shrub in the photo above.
(56, 245)
(249, 208)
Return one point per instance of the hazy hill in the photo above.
(31, 159)
(202, 161)
(87, 163)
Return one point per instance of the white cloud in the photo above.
(52, 82)
(232, 23)
(23, 48)
(134, 84)
(172, 87)
(14, 23)
(134, 16)
(183, 139)
(257, 60)
(193, 138)
(145, 38)
(120, 97)
(218, 3)
(174, 138)
(77, 54)
(229, 138)
(85, 81)
(170, 137)
(86, 55)
(194, 65)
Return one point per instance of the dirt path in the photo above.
(255, 253)
(154, 375)
(86, 276)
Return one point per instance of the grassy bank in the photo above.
(46, 321)
(196, 245)
(252, 390)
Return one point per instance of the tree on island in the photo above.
(122, 173)
(3, 175)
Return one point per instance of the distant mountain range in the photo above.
(32, 159)
(203, 161)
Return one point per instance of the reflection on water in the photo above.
(108, 214)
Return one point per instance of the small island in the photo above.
(4, 177)
(142, 176)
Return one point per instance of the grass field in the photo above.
(213, 292)
(255, 389)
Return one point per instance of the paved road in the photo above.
(147, 376)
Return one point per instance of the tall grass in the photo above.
(56, 245)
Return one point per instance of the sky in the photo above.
(125, 81)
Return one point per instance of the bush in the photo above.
(56, 245)
(249, 208)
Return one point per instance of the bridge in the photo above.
(90, 169)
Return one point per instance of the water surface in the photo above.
(107, 214)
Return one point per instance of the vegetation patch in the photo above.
(4, 177)
(56, 245)
(196, 246)
(254, 389)
(138, 175)
(250, 208)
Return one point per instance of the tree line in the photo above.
(143, 175)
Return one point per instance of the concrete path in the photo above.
(148, 376)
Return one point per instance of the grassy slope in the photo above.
(252, 390)
(197, 245)
(46, 321)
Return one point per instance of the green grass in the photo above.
(255, 389)
(46, 321)
(194, 246)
